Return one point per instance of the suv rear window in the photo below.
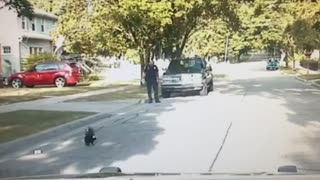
(185, 66)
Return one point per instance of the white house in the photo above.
(21, 37)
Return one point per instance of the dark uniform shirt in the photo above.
(151, 72)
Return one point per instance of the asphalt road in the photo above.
(254, 121)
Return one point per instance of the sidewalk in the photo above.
(41, 103)
(314, 82)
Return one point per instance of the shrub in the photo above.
(93, 77)
(299, 57)
(311, 64)
(38, 58)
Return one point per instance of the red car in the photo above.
(57, 73)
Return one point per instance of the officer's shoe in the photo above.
(150, 101)
(157, 101)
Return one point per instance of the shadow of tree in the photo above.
(117, 140)
(300, 104)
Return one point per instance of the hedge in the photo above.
(311, 64)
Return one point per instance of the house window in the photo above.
(33, 25)
(35, 50)
(6, 50)
(23, 22)
(42, 25)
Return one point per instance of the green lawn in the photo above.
(219, 76)
(288, 71)
(9, 95)
(26, 122)
(132, 92)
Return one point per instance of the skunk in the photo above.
(89, 137)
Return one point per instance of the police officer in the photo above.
(151, 74)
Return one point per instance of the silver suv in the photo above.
(187, 75)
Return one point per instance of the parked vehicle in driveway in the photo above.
(59, 74)
(187, 75)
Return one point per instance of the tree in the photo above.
(22, 7)
(152, 27)
(209, 41)
(76, 27)
(51, 6)
(301, 32)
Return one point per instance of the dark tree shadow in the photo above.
(302, 103)
(118, 140)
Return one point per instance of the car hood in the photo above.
(181, 176)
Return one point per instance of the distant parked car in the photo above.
(187, 75)
(59, 74)
(273, 64)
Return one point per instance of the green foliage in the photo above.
(133, 55)
(149, 26)
(208, 41)
(22, 7)
(74, 24)
(93, 77)
(299, 56)
(263, 25)
(52, 6)
(141, 29)
(38, 58)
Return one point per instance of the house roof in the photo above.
(42, 13)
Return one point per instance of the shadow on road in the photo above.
(117, 140)
(300, 104)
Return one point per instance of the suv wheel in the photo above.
(16, 83)
(60, 82)
(204, 90)
(165, 94)
(211, 86)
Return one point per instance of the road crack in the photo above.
(221, 147)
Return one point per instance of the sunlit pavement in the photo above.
(273, 120)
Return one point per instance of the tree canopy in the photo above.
(175, 28)
(22, 7)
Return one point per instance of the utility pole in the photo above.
(226, 49)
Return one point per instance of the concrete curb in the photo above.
(316, 85)
(300, 79)
(20, 143)
(309, 82)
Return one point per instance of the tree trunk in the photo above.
(183, 44)
(147, 53)
(286, 60)
(293, 59)
(141, 55)
(238, 57)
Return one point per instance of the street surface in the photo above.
(267, 120)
